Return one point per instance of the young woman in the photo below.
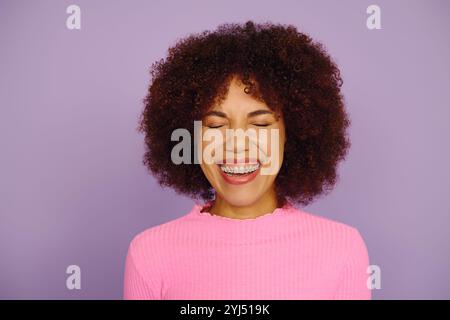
(244, 238)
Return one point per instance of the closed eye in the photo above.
(262, 124)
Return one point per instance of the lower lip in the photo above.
(239, 179)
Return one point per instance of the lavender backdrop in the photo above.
(72, 186)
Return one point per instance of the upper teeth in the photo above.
(239, 168)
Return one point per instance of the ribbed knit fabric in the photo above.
(285, 254)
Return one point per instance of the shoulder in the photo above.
(145, 261)
(153, 237)
(342, 235)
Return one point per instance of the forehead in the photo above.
(237, 101)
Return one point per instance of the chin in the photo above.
(241, 199)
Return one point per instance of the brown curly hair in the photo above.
(293, 74)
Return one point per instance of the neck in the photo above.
(266, 204)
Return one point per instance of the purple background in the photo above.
(73, 189)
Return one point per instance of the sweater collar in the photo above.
(198, 206)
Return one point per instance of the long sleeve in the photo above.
(135, 286)
(353, 283)
(287, 254)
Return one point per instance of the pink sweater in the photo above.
(285, 254)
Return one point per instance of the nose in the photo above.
(236, 140)
(241, 143)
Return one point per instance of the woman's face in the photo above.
(242, 167)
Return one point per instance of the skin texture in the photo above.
(280, 67)
(257, 196)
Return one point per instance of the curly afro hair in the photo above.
(293, 73)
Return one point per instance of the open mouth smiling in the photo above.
(240, 172)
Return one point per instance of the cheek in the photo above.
(206, 158)
(281, 140)
(209, 171)
(212, 146)
(274, 144)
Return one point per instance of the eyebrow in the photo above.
(259, 112)
(249, 115)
